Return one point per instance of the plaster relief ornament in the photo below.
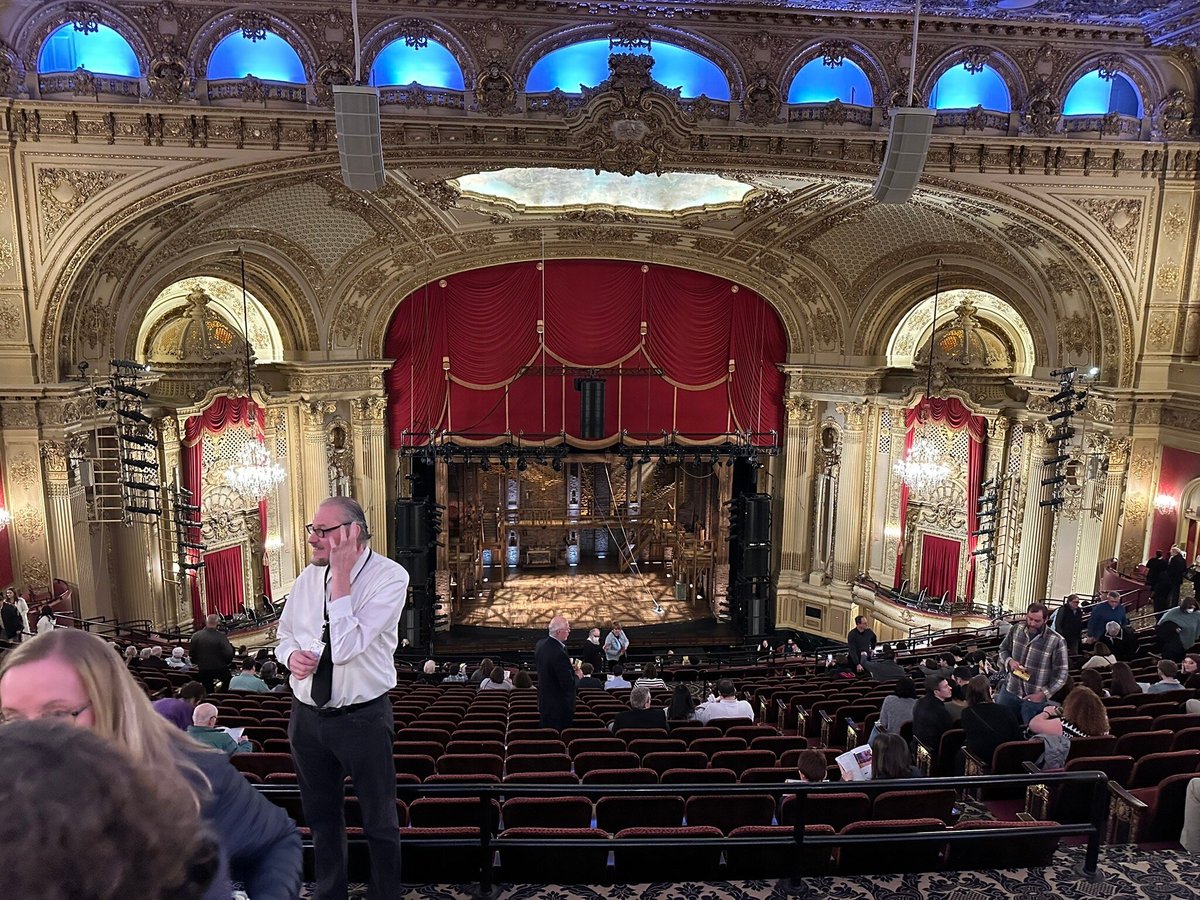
(168, 75)
(762, 101)
(1042, 110)
(1175, 115)
(494, 92)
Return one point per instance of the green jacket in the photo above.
(215, 737)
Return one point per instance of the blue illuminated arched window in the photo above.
(586, 64)
(1091, 95)
(430, 66)
(103, 51)
(819, 83)
(960, 89)
(270, 58)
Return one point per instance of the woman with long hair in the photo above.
(1123, 684)
(897, 708)
(986, 724)
(683, 705)
(1091, 679)
(891, 758)
(1081, 715)
(75, 677)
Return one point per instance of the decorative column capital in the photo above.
(369, 409)
(169, 427)
(855, 414)
(1118, 453)
(55, 459)
(800, 410)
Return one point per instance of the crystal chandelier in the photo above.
(254, 474)
(922, 468)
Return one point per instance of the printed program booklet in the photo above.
(856, 764)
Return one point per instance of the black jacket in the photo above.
(210, 650)
(654, 717)
(931, 720)
(1069, 623)
(859, 644)
(988, 725)
(555, 684)
(591, 653)
(10, 619)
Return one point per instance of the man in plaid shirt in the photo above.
(1039, 652)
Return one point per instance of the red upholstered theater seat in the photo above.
(546, 863)
(658, 811)
(586, 762)
(920, 804)
(620, 776)
(984, 851)
(698, 776)
(537, 762)
(420, 766)
(263, 764)
(471, 764)
(754, 863)
(542, 778)
(835, 810)
(731, 811)
(423, 863)
(682, 861)
(547, 812)
(1142, 743)
(884, 857)
(450, 812)
(741, 760)
(661, 762)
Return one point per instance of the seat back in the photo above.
(643, 746)
(658, 811)
(932, 804)
(681, 861)
(1188, 739)
(1142, 743)
(586, 762)
(546, 863)
(835, 810)
(423, 863)
(728, 812)
(450, 812)
(885, 857)
(982, 852)
(661, 762)
(1152, 769)
(1164, 821)
(470, 764)
(620, 776)
(608, 744)
(698, 776)
(537, 762)
(742, 862)
(547, 812)
(709, 746)
(1101, 745)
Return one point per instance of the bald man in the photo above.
(204, 729)
(556, 677)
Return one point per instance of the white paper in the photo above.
(856, 764)
(235, 733)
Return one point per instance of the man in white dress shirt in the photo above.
(337, 636)
(725, 706)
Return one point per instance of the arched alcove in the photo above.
(995, 338)
(103, 50)
(585, 64)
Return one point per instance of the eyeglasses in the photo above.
(322, 532)
(54, 715)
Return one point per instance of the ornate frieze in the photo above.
(63, 191)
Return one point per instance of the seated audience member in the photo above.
(726, 706)
(522, 680)
(204, 729)
(958, 691)
(943, 664)
(683, 705)
(179, 660)
(931, 719)
(152, 658)
(1082, 715)
(178, 710)
(1122, 682)
(650, 679)
(1110, 609)
(640, 714)
(897, 708)
(812, 766)
(1102, 656)
(1093, 681)
(1167, 678)
(765, 651)
(429, 673)
(83, 822)
(496, 681)
(616, 678)
(72, 674)
(986, 724)
(891, 758)
(1178, 629)
(269, 672)
(484, 670)
(248, 679)
(132, 659)
(1189, 671)
(459, 676)
(587, 681)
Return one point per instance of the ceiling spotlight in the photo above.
(485, 464)
(522, 464)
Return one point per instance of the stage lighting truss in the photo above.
(121, 471)
(508, 450)
(1070, 399)
(990, 517)
(182, 537)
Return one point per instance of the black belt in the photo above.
(330, 712)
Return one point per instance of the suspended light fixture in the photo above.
(922, 468)
(254, 474)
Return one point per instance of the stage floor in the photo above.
(530, 599)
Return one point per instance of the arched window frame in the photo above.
(1010, 74)
(219, 27)
(876, 76)
(47, 20)
(1147, 84)
(375, 42)
(717, 54)
(233, 77)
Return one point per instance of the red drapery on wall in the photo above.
(222, 412)
(939, 565)
(952, 413)
(469, 358)
(223, 583)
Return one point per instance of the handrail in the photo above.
(488, 792)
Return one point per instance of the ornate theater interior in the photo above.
(625, 331)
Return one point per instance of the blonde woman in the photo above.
(74, 677)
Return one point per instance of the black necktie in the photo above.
(322, 685)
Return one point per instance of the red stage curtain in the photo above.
(953, 413)
(939, 566)
(225, 589)
(469, 358)
(222, 412)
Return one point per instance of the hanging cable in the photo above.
(358, 48)
(912, 68)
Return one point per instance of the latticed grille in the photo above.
(1016, 447)
(885, 431)
(960, 446)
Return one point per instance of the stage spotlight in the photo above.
(557, 464)
(522, 464)
(628, 463)
(485, 464)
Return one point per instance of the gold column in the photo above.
(798, 450)
(61, 530)
(1114, 488)
(314, 457)
(370, 465)
(847, 540)
(1037, 523)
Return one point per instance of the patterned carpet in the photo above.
(1126, 874)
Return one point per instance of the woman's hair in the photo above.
(1084, 710)
(496, 676)
(487, 665)
(890, 757)
(94, 824)
(1101, 649)
(812, 765)
(979, 690)
(522, 680)
(682, 703)
(905, 687)
(121, 712)
(648, 671)
(1123, 683)
(1090, 678)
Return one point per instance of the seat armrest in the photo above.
(1031, 767)
(973, 765)
(1125, 813)
(924, 757)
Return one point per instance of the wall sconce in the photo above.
(1165, 505)
(5, 518)
(273, 543)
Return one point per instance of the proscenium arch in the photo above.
(995, 311)
(719, 54)
(774, 293)
(225, 299)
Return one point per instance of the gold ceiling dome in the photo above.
(966, 343)
(194, 333)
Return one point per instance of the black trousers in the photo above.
(328, 748)
(211, 677)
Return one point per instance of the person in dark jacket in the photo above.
(71, 675)
(556, 678)
(587, 680)
(861, 643)
(590, 652)
(639, 714)
(1068, 621)
(1166, 588)
(1155, 566)
(986, 724)
(211, 654)
(931, 719)
(10, 620)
